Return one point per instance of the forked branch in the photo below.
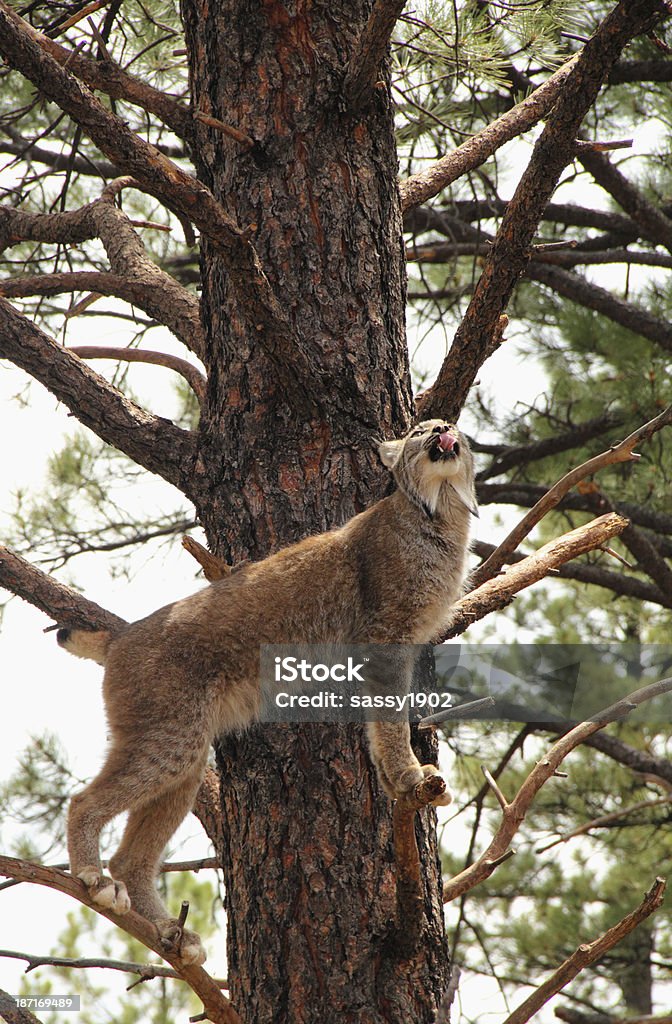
(22, 48)
(621, 452)
(418, 188)
(217, 1007)
(513, 812)
(553, 151)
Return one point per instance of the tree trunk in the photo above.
(309, 872)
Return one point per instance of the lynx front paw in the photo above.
(178, 940)
(104, 891)
(444, 798)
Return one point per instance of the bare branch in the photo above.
(552, 152)
(514, 813)
(143, 294)
(471, 154)
(217, 1006)
(193, 377)
(142, 282)
(595, 575)
(587, 954)
(153, 442)
(364, 64)
(622, 452)
(59, 602)
(497, 593)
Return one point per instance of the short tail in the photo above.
(85, 643)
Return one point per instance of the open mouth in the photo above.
(444, 447)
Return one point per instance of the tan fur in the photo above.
(189, 672)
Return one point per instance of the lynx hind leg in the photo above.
(398, 769)
(138, 859)
(131, 772)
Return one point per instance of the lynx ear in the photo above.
(467, 495)
(389, 452)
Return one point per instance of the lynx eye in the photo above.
(417, 433)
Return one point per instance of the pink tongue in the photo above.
(446, 442)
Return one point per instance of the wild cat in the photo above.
(189, 672)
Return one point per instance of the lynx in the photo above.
(189, 672)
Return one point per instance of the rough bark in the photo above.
(308, 857)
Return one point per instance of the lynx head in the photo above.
(432, 463)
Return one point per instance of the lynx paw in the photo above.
(176, 939)
(104, 891)
(443, 799)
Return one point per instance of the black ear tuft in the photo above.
(62, 636)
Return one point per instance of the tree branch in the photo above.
(106, 76)
(364, 64)
(653, 223)
(21, 46)
(217, 1006)
(514, 493)
(552, 152)
(497, 593)
(592, 296)
(475, 151)
(603, 820)
(587, 954)
(641, 761)
(153, 442)
(59, 602)
(143, 294)
(146, 285)
(622, 452)
(13, 1014)
(409, 894)
(514, 813)
(521, 455)
(193, 377)
(595, 575)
